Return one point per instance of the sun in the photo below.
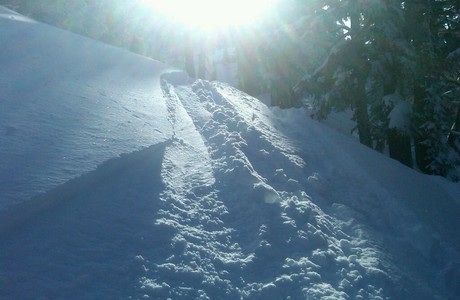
(211, 15)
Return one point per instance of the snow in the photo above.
(400, 114)
(52, 77)
(121, 178)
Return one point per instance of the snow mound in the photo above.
(121, 179)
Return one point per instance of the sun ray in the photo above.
(210, 15)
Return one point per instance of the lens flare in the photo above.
(209, 15)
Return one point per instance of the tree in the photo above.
(248, 60)
(434, 36)
(340, 81)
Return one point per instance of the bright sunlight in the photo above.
(211, 15)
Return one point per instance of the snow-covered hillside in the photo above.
(68, 104)
(123, 179)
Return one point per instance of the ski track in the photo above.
(191, 210)
(267, 239)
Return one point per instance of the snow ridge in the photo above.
(267, 239)
(291, 233)
(191, 212)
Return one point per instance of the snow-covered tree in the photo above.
(434, 31)
(387, 60)
(360, 36)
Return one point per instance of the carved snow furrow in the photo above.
(202, 250)
(290, 243)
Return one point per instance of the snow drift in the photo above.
(67, 105)
(122, 179)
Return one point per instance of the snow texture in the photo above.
(67, 104)
(123, 179)
(400, 114)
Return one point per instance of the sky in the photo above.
(123, 178)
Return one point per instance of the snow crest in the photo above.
(241, 227)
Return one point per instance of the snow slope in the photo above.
(122, 179)
(100, 97)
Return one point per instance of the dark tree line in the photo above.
(396, 65)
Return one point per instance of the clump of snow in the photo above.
(216, 196)
(400, 116)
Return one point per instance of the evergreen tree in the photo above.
(388, 92)
(434, 36)
(340, 80)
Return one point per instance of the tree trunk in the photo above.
(421, 148)
(362, 115)
(399, 142)
(202, 62)
(281, 94)
(400, 147)
(189, 57)
(190, 63)
(454, 135)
